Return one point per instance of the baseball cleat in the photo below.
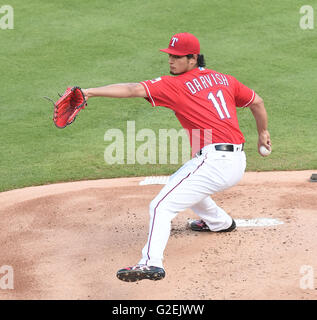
(140, 272)
(200, 225)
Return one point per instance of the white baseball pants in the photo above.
(191, 187)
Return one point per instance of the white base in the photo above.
(259, 222)
(154, 180)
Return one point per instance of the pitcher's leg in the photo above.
(181, 192)
(162, 210)
(215, 217)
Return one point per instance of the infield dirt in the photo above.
(67, 241)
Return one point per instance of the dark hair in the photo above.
(200, 59)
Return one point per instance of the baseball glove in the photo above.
(68, 106)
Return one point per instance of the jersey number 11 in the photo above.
(219, 95)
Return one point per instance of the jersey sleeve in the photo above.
(162, 91)
(244, 96)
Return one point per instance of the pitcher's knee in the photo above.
(160, 206)
(153, 205)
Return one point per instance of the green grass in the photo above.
(55, 44)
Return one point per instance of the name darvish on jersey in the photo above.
(206, 81)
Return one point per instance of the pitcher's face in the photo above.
(181, 64)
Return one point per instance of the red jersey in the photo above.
(204, 101)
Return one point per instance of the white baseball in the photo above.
(265, 152)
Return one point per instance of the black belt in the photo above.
(226, 147)
(222, 147)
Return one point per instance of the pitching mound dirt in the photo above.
(67, 241)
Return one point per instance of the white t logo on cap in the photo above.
(173, 41)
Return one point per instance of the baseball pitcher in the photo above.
(204, 101)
